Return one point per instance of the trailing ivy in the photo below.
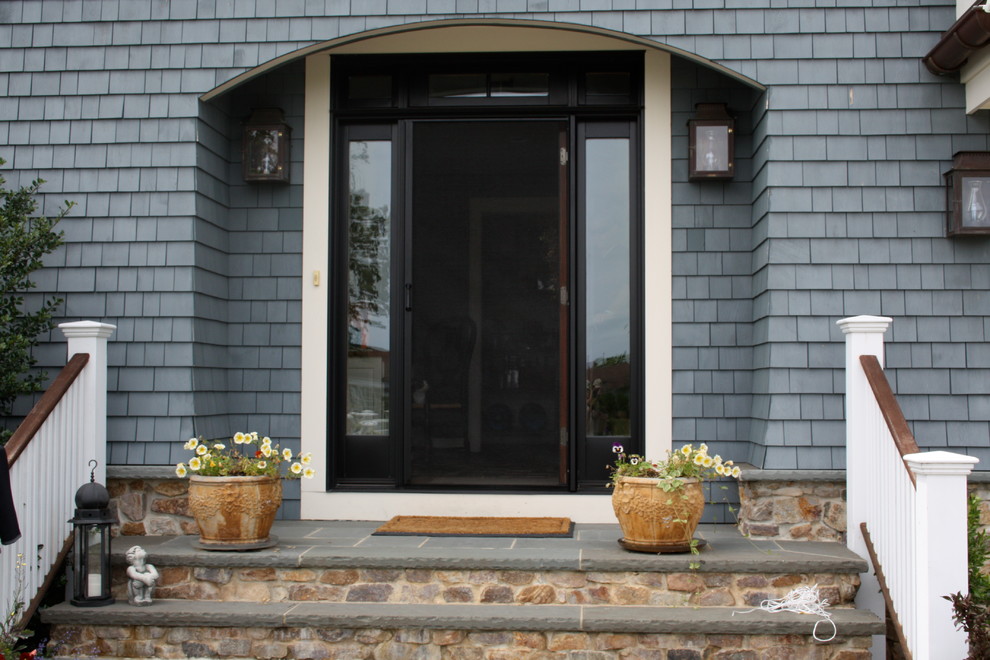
(25, 239)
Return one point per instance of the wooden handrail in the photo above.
(890, 409)
(46, 404)
(878, 569)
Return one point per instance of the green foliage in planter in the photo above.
(25, 239)
(972, 611)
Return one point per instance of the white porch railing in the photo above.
(48, 457)
(905, 509)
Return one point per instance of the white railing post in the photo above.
(91, 337)
(942, 560)
(864, 336)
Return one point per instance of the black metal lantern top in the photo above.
(91, 548)
(265, 152)
(967, 188)
(93, 502)
(711, 143)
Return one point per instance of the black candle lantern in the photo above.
(91, 557)
(967, 187)
(711, 143)
(266, 146)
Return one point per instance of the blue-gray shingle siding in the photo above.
(836, 210)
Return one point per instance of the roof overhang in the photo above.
(472, 35)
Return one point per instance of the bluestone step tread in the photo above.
(315, 544)
(578, 618)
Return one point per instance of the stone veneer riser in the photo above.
(427, 586)
(437, 644)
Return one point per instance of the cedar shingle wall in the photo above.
(837, 210)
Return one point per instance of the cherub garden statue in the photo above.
(141, 577)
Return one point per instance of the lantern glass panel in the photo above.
(712, 152)
(975, 192)
(264, 151)
(95, 548)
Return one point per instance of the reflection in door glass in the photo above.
(369, 224)
(607, 287)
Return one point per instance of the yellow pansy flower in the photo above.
(180, 470)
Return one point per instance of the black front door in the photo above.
(486, 304)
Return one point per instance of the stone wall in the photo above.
(793, 510)
(151, 507)
(358, 644)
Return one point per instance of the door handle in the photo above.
(409, 297)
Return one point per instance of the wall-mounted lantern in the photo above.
(711, 143)
(967, 193)
(91, 547)
(265, 153)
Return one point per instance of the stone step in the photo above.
(179, 629)
(342, 563)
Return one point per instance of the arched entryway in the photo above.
(325, 405)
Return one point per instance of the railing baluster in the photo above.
(45, 461)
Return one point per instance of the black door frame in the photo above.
(352, 460)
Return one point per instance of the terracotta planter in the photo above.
(235, 513)
(653, 520)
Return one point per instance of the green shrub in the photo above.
(25, 239)
(972, 611)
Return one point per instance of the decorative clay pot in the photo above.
(653, 520)
(235, 513)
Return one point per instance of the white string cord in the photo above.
(802, 600)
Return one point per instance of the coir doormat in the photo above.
(476, 526)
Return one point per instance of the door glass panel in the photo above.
(608, 84)
(520, 84)
(607, 294)
(368, 278)
(458, 85)
(486, 368)
(370, 89)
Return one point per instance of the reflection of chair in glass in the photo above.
(449, 348)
